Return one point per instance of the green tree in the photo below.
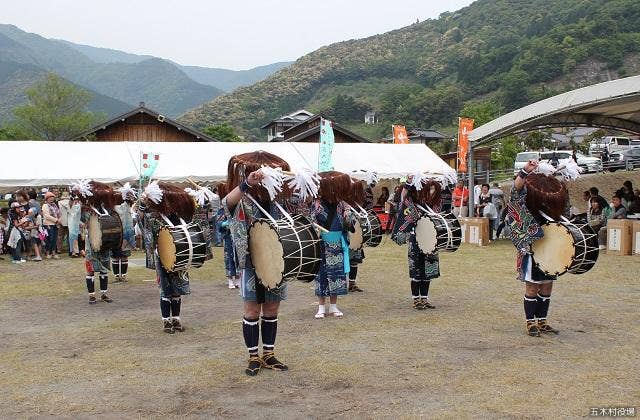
(11, 131)
(481, 112)
(222, 132)
(55, 110)
(504, 152)
(537, 140)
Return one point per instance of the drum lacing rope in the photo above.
(295, 231)
(185, 228)
(430, 211)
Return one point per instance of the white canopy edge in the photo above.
(61, 163)
(568, 101)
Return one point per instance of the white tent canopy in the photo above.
(60, 163)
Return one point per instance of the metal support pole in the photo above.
(471, 169)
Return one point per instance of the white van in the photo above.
(522, 158)
(611, 144)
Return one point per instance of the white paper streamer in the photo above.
(449, 178)
(569, 169)
(546, 168)
(127, 191)
(371, 178)
(304, 183)
(153, 192)
(273, 180)
(202, 195)
(418, 178)
(82, 187)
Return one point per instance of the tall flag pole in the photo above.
(465, 125)
(327, 140)
(400, 134)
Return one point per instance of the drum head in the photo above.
(267, 254)
(356, 238)
(554, 252)
(166, 249)
(426, 235)
(94, 230)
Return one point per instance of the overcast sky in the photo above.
(232, 34)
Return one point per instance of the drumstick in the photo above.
(320, 228)
(194, 183)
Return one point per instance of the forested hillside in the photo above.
(502, 53)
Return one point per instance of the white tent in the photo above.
(59, 163)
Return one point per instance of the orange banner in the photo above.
(400, 134)
(465, 125)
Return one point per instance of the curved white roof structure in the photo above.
(613, 105)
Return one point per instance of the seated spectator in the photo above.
(634, 206)
(618, 211)
(626, 193)
(384, 196)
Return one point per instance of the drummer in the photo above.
(356, 257)
(532, 193)
(95, 197)
(245, 202)
(422, 267)
(125, 197)
(162, 199)
(330, 211)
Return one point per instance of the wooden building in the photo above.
(143, 124)
(309, 131)
(276, 128)
(481, 160)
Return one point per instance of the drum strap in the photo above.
(266, 213)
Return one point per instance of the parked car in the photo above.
(611, 144)
(625, 159)
(522, 158)
(587, 163)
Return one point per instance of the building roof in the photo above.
(316, 129)
(613, 105)
(297, 116)
(428, 134)
(142, 109)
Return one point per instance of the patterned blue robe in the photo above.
(331, 278)
(524, 231)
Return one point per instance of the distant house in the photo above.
(143, 124)
(481, 160)
(309, 131)
(370, 117)
(276, 128)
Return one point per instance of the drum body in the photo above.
(438, 232)
(282, 251)
(566, 248)
(431, 234)
(182, 247)
(105, 232)
(368, 231)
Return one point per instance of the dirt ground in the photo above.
(469, 357)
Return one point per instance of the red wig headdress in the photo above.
(175, 200)
(240, 166)
(546, 193)
(335, 186)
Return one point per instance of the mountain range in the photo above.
(117, 80)
(500, 53)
